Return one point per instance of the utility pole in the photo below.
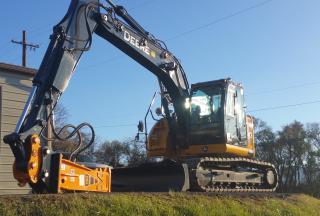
(24, 47)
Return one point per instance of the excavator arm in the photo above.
(70, 39)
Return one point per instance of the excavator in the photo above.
(202, 134)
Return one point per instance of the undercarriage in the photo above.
(209, 174)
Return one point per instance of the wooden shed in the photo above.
(15, 84)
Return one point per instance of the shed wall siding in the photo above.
(15, 89)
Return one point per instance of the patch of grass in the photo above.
(172, 203)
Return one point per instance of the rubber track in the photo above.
(196, 164)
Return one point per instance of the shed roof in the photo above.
(18, 69)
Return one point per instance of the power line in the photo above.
(44, 29)
(256, 110)
(285, 88)
(117, 125)
(216, 21)
(142, 4)
(120, 125)
(41, 30)
(102, 62)
(35, 33)
(285, 106)
(197, 28)
(4, 45)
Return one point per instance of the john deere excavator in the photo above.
(203, 133)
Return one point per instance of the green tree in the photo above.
(265, 141)
(313, 135)
(268, 147)
(293, 138)
(312, 165)
(295, 152)
(311, 168)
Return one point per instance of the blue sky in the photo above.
(272, 49)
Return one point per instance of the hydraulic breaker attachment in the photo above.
(71, 176)
(48, 172)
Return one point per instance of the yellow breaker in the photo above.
(48, 172)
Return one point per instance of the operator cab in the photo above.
(217, 123)
(217, 113)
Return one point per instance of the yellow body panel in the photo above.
(250, 135)
(158, 144)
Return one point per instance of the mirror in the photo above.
(137, 137)
(158, 111)
(140, 126)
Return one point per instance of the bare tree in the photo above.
(137, 153)
(113, 153)
(79, 141)
(61, 116)
(117, 154)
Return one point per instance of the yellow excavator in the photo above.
(219, 151)
(202, 133)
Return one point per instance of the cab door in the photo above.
(230, 116)
(240, 115)
(206, 116)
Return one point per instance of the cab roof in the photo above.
(220, 82)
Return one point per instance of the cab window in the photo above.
(205, 107)
(200, 103)
(216, 103)
(230, 109)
